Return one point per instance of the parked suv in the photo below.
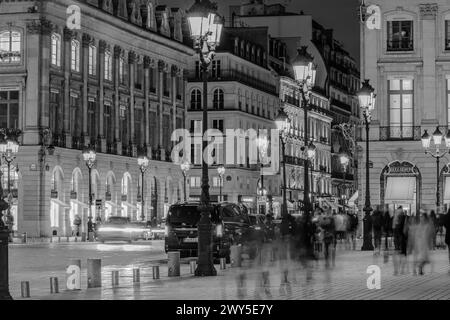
(231, 225)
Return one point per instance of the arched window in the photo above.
(196, 99)
(75, 56)
(218, 100)
(108, 65)
(10, 46)
(56, 50)
(92, 63)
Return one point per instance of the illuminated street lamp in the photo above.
(206, 29)
(438, 154)
(89, 157)
(262, 143)
(345, 160)
(143, 163)
(366, 99)
(283, 124)
(221, 172)
(305, 75)
(185, 167)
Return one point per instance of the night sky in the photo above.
(340, 15)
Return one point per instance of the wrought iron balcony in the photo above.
(400, 133)
(400, 45)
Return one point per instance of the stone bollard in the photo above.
(155, 270)
(25, 289)
(94, 273)
(115, 278)
(73, 275)
(236, 256)
(136, 275)
(223, 263)
(173, 264)
(54, 285)
(193, 265)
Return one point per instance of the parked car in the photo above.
(122, 229)
(231, 225)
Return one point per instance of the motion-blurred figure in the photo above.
(377, 224)
(329, 239)
(422, 243)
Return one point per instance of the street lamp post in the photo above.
(185, 167)
(262, 143)
(344, 158)
(366, 98)
(89, 157)
(305, 75)
(437, 139)
(221, 172)
(143, 163)
(205, 29)
(283, 123)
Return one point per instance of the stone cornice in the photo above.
(428, 11)
(41, 26)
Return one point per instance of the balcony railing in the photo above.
(234, 75)
(291, 100)
(400, 45)
(400, 133)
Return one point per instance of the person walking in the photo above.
(422, 243)
(329, 237)
(352, 227)
(398, 224)
(90, 227)
(434, 223)
(77, 224)
(377, 225)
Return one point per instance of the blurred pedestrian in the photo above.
(398, 225)
(352, 227)
(329, 237)
(422, 243)
(447, 233)
(434, 223)
(90, 227)
(387, 228)
(77, 224)
(377, 225)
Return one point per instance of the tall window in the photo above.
(218, 124)
(9, 109)
(400, 36)
(122, 70)
(166, 131)
(123, 125)
(10, 47)
(448, 102)
(108, 122)
(196, 99)
(108, 65)
(138, 125)
(54, 111)
(166, 84)
(216, 71)
(75, 56)
(56, 50)
(153, 129)
(401, 93)
(75, 115)
(198, 73)
(447, 34)
(92, 65)
(218, 100)
(91, 120)
(179, 87)
(138, 76)
(153, 79)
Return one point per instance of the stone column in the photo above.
(147, 62)
(100, 138)
(68, 36)
(131, 62)
(174, 74)
(87, 40)
(117, 55)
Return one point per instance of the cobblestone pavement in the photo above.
(347, 280)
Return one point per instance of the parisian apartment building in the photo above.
(407, 61)
(333, 100)
(115, 83)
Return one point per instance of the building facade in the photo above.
(242, 95)
(408, 63)
(116, 83)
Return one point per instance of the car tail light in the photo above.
(219, 230)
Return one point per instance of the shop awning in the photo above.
(447, 189)
(351, 201)
(400, 189)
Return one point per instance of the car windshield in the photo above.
(183, 216)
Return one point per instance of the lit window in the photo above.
(75, 55)
(92, 60)
(108, 65)
(56, 50)
(218, 100)
(122, 70)
(196, 99)
(10, 47)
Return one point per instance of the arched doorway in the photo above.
(95, 180)
(154, 200)
(401, 185)
(76, 202)
(128, 209)
(59, 221)
(111, 206)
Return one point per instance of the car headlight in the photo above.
(166, 231)
(219, 230)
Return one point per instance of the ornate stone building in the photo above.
(408, 63)
(117, 83)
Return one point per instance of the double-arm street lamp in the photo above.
(221, 172)
(366, 99)
(205, 29)
(89, 157)
(143, 163)
(185, 167)
(437, 139)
